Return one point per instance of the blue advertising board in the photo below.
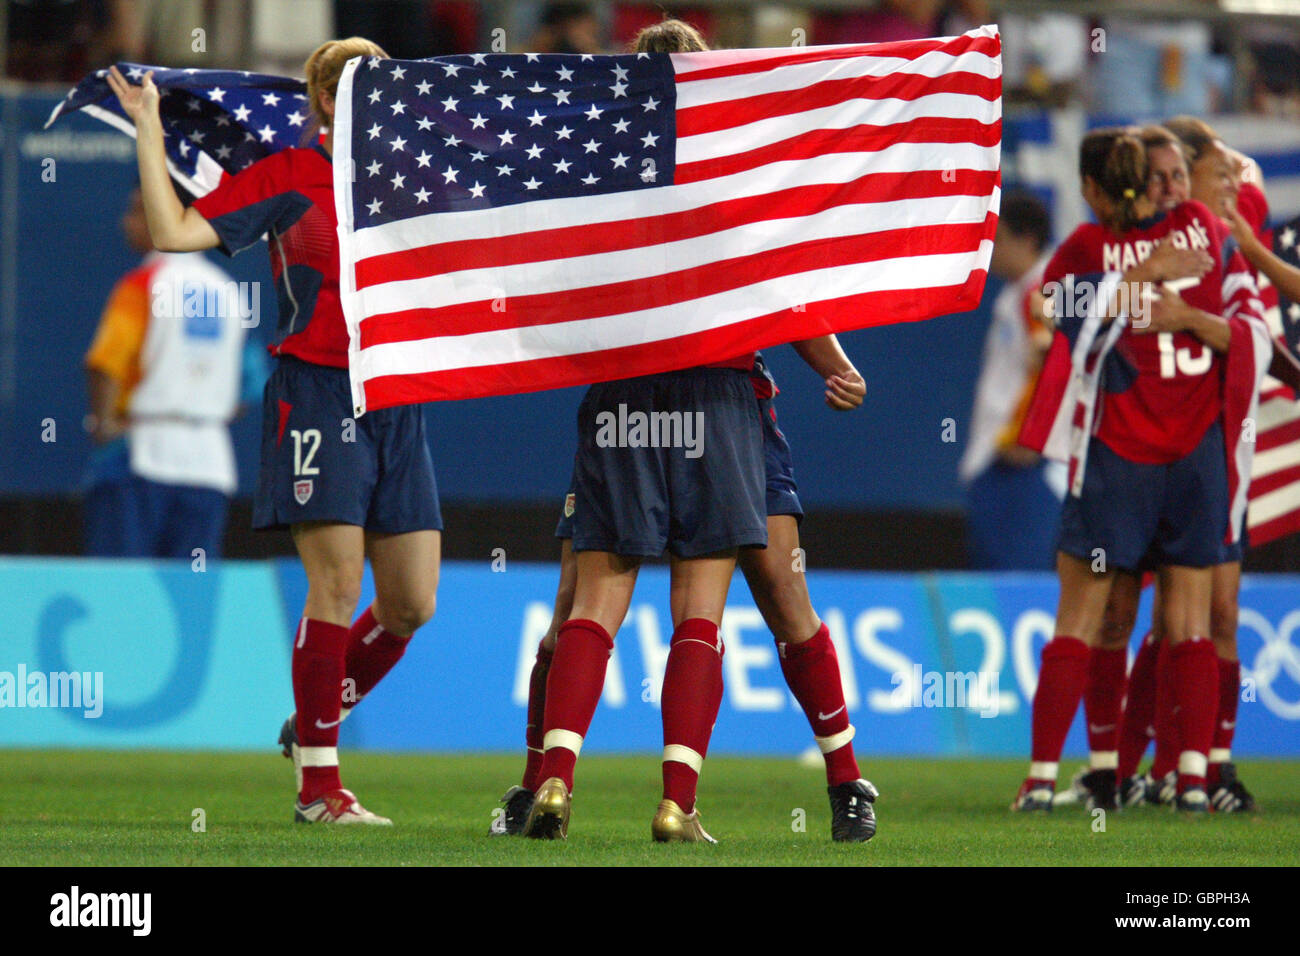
(933, 664)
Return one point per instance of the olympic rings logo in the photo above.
(1277, 656)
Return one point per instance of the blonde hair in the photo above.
(325, 66)
(669, 36)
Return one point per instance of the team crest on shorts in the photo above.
(569, 501)
(302, 491)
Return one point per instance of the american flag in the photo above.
(511, 223)
(213, 120)
(1275, 474)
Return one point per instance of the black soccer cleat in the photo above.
(288, 735)
(1133, 790)
(513, 816)
(1230, 794)
(853, 818)
(1101, 790)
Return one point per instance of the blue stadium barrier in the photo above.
(201, 660)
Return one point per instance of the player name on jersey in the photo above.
(1122, 256)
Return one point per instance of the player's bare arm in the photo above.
(1169, 312)
(172, 227)
(845, 387)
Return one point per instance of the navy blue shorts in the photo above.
(321, 464)
(781, 491)
(670, 461)
(1174, 514)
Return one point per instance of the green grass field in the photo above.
(79, 808)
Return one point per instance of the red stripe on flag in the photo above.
(728, 114)
(1274, 480)
(822, 142)
(903, 50)
(1278, 435)
(543, 245)
(714, 345)
(1279, 527)
(636, 295)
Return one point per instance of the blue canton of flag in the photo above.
(1286, 245)
(213, 121)
(477, 131)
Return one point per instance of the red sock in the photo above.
(536, 715)
(1060, 686)
(1166, 757)
(690, 700)
(372, 652)
(1102, 697)
(1196, 682)
(317, 668)
(573, 686)
(812, 670)
(1136, 723)
(1225, 724)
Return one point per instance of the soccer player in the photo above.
(1213, 180)
(628, 503)
(348, 490)
(1149, 468)
(808, 659)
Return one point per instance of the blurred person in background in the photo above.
(59, 40)
(567, 27)
(1014, 495)
(163, 374)
(407, 29)
(1147, 68)
(894, 20)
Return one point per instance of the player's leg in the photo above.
(602, 595)
(1064, 673)
(811, 669)
(1194, 675)
(333, 556)
(692, 689)
(405, 568)
(1227, 793)
(1137, 720)
(518, 800)
(1103, 694)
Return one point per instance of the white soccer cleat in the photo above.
(337, 806)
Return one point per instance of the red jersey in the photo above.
(289, 198)
(1175, 381)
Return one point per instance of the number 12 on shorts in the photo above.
(308, 441)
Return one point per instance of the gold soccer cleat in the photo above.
(671, 825)
(549, 817)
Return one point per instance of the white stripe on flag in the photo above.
(796, 76)
(846, 115)
(627, 265)
(634, 204)
(652, 325)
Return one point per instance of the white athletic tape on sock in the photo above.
(563, 738)
(1103, 760)
(1220, 755)
(835, 741)
(1042, 770)
(686, 755)
(319, 756)
(1192, 764)
(302, 633)
(374, 633)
